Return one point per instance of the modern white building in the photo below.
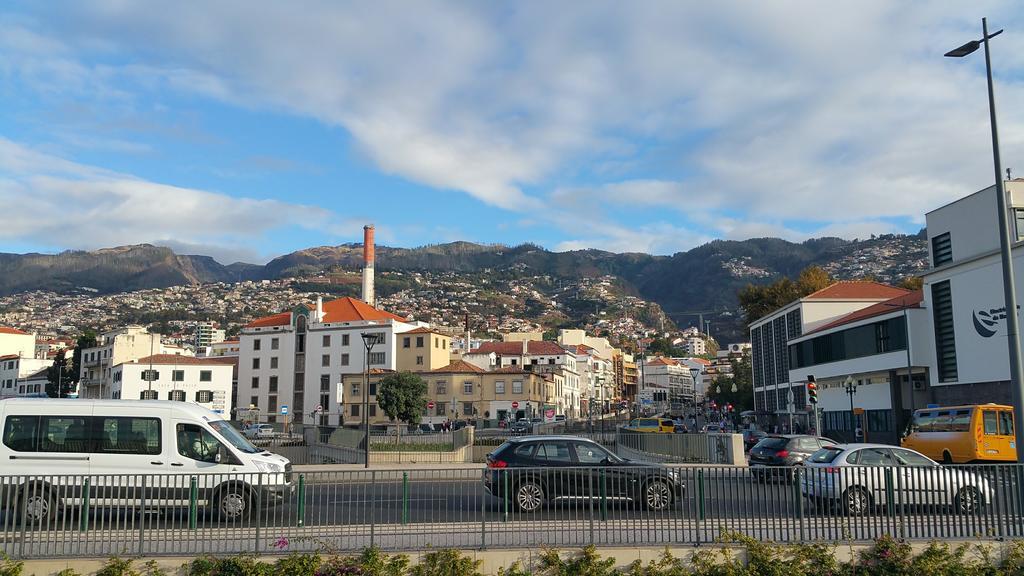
(113, 348)
(698, 366)
(770, 337)
(963, 293)
(226, 349)
(292, 362)
(695, 346)
(205, 334)
(203, 381)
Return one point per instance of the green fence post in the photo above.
(700, 494)
(301, 501)
(193, 502)
(890, 493)
(83, 521)
(405, 497)
(604, 495)
(504, 488)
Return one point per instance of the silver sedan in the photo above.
(857, 477)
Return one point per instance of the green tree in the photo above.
(912, 283)
(402, 397)
(86, 340)
(60, 380)
(743, 398)
(758, 301)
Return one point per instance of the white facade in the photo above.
(207, 333)
(667, 375)
(225, 349)
(113, 348)
(203, 382)
(17, 343)
(696, 346)
(13, 369)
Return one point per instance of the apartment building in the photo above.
(460, 391)
(14, 342)
(205, 334)
(539, 356)
(423, 349)
(203, 381)
(667, 380)
(292, 362)
(14, 369)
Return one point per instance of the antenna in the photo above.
(1009, 173)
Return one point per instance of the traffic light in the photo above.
(812, 390)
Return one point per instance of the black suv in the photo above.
(533, 470)
(783, 450)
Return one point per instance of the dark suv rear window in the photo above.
(773, 443)
(825, 455)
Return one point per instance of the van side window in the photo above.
(64, 434)
(128, 436)
(195, 443)
(20, 433)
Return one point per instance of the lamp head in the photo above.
(964, 50)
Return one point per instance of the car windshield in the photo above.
(773, 443)
(228, 432)
(826, 455)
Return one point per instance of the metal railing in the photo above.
(187, 514)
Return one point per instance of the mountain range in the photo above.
(702, 280)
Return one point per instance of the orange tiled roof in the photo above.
(908, 300)
(533, 347)
(857, 290)
(662, 361)
(459, 367)
(350, 309)
(4, 330)
(282, 319)
(9, 357)
(174, 359)
(424, 330)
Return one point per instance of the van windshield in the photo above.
(228, 432)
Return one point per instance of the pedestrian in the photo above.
(858, 434)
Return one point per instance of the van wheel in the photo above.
(37, 505)
(968, 500)
(947, 458)
(234, 503)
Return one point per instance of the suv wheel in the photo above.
(658, 495)
(529, 496)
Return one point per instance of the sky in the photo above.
(247, 129)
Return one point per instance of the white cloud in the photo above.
(80, 206)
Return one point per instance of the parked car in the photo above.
(858, 477)
(752, 437)
(49, 445)
(775, 455)
(259, 432)
(541, 469)
(521, 426)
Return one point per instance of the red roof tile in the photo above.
(459, 367)
(174, 359)
(9, 357)
(282, 319)
(533, 347)
(350, 309)
(4, 330)
(662, 361)
(857, 290)
(908, 300)
(423, 330)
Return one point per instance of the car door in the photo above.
(602, 470)
(197, 452)
(920, 479)
(556, 466)
(870, 472)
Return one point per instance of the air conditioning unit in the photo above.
(918, 385)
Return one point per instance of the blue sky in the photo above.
(245, 130)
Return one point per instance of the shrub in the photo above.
(516, 569)
(9, 567)
(372, 562)
(233, 566)
(447, 563)
(587, 563)
(116, 566)
(297, 564)
(68, 572)
(665, 565)
(887, 556)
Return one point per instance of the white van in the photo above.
(148, 454)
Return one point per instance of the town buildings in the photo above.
(203, 381)
(205, 334)
(541, 357)
(113, 348)
(666, 380)
(14, 342)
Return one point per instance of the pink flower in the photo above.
(281, 543)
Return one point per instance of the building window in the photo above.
(406, 342)
(376, 358)
(255, 382)
(273, 363)
(551, 361)
(945, 336)
(275, 343)
(326, 340)
(499, 387)
(442, 388)
(325, 360)
(517, 386)
(149, 395)
(373, 388)
(942, 249)
(419, 360)
(255, 363)
(273, 384)
(344, 359)
(439, 409)
(467, 408)
(254, 402)
(355, 389)
(256, 344)
(325, 382)
(271, 407)
(419, 341)
(373, 410)
(344, 339)
(355, 410)
(467, 387)
(176, 395)
(206, 375)
(177, 375)
(444, 344)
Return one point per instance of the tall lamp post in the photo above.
(851, 390)
(369, 341)
(695, 373)
(1009, 290)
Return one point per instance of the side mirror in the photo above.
(218, 457)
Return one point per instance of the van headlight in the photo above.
(269, 467)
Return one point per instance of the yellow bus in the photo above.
(976, 433)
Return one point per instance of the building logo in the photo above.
(986, 322)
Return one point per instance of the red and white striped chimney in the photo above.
(368, 264)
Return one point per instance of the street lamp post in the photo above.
(851, 390)
(369, 341)
(1009, 290)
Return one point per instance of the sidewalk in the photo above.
(389, 467)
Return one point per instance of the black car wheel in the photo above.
(856, 502)
(968, 500)
(658, 495)
(529, 496)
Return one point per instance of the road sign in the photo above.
(430, 404)
(284, 409)
(515, 405)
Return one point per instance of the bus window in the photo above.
(989, 419)
(943, 421)
(960, 421)
(1006, 423)
(922, 422)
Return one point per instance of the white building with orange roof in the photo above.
(17, 342)
(666, 380)
(292, 362)
(203, 381)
